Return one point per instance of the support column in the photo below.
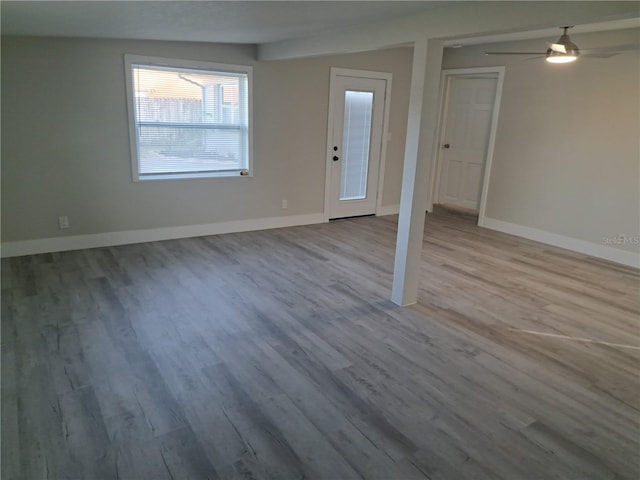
(418, 158)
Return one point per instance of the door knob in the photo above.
(446, 145)
(335, 158)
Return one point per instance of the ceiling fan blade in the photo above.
(514, 53)
(558, 47)
(617, 49)
(599, 54)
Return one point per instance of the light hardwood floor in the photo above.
(277, 355)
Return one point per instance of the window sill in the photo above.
(186, 176)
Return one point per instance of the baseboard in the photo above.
(388, 210)
(605, 252)
(77, 242)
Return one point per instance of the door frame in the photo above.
(347, 72)
(436, 171)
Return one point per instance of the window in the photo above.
(188, 119)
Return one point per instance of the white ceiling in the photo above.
(200, 21)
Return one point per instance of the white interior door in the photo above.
(469, 114)
(355, 141)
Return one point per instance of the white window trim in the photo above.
(130, 60)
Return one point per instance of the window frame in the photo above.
(131, 60)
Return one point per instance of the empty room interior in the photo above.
(320, 240)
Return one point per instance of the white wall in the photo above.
(567, 154)
(65, 144)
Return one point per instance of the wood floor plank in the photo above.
(10, 459)
(265, 438)
(85, 434)
(183, 456)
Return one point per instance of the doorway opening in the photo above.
(466, 136)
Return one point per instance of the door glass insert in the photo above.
(356, 138)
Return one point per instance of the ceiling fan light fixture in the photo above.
(557, 57)
(564, 50)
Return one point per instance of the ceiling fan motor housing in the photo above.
(571, 48)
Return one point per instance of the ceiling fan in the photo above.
(565, 51)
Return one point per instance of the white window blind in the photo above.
(189, 122)
(356, 138)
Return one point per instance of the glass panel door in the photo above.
(355, 145)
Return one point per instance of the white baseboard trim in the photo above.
(78, 242)
(388, 210)
(605, 252)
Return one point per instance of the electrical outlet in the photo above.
(63, 221)
(284, 203)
